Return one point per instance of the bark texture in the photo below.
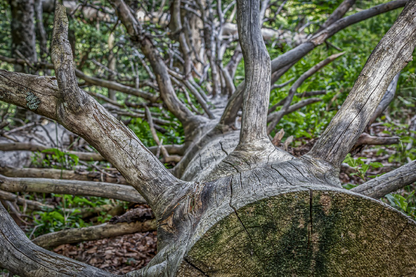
(23, 31)
(306, 233)
(389, 57)
(243, 207)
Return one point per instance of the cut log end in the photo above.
(320, 233)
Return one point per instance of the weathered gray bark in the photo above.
(23, 31)
(251, 210)
(100, 189)
(386, 100)
(389, 182)
(61, 174)
(284, 62)
(15, 146)
(24, 258)
(368, 90)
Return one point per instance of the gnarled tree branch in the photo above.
(392, 53)
(257, 72)
(22, 257)
(85, 117)
(159, 68)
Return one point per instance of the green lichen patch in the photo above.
(309, 233)
(33, 101)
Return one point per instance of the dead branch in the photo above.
(100, 189)
(389, 182)
(357, 110)
(278, 116)
(106, 230)
(24, 258)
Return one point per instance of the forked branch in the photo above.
(19, 255)
(87, 118)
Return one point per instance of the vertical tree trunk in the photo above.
(23, 39)
(23, 32)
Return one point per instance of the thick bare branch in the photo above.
(257, 72)
(32, 205)
(338, 13)
(236, 100)
(389, 182)
(392, 53)
(386, 100)
(73, 98)
(89, 79)
(19, 255)
(366, 139)
(118, 144)
(300, 51)
(74, 187)
(159, 68)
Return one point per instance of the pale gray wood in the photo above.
(118, 144)
(74, 187)
(19, 255)
(257, 72)
(389, 182)
(227, 186)
(167, 93)
(364, 98)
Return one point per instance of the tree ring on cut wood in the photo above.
(315, 233)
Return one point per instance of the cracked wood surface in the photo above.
(306, 233)
(74, 187)
(243, 191)
(257, 72)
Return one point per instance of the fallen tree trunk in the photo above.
(247, 208)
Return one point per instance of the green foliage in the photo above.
(66, 214)
(360, 166)
(406, 204)
(174, 134)
(400, 154)
(357, 41)
(58, 159)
